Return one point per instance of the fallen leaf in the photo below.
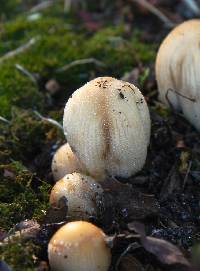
(9, 174)
(166, 252)
(25, 230)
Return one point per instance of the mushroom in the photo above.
(81, 192)
(107, 124)
(178, 70)
(65, 162)
(79, 246)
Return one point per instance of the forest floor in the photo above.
(45, 55)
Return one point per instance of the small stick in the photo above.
(27, 73)
(56, 224)
(41, 6)
(156, 12)
(4, 120)
(67, 5)
(54, 122)
(193, 6)
(19, 50)
(81, 62)
(187, 174)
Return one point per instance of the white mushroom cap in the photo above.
(81, 192)
(65, 162)
(107, 124)
(178, 70)
(79, 246)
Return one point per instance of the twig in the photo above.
(54, 122)
(193, 6)
(67, 5)
(187, 174)
(4, 120)
(56, 224)
(81, 62)
(19, 50)
(27, 73)
(156, 12)
(41, 6)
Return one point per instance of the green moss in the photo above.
(26, 142)
(20, 255)
(16, 89)
(119, 55)
(47, 54)
(57, 45)
(144, 52)
(26, 136)
(23, 195)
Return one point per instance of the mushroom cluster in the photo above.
(178, 70)
(107, 126)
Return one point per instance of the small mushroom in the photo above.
(65, 162)
(82, 193)
(178, 70)
(79, 246)
(107, 124)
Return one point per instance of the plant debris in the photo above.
(163, 250)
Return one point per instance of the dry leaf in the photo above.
(166, 252)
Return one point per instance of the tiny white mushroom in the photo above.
(79, 246)
(82, 193)
(178, 70)
(107, 123)
(65, 162)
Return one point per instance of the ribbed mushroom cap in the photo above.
(81, 192)
(79, 246)
(65, 162)
(107, 124)
(178, 70)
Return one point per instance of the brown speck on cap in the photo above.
(121, 95)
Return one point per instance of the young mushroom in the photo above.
(178, 70)
(81, 192)
(79, 246)
(65, 162)
(107, 124)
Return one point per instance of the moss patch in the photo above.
(20, 255)
(27, 143)
(58, 44)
